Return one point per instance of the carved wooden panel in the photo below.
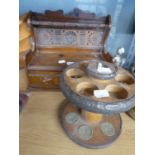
(50, 37)
(76, 29)
(61, 40)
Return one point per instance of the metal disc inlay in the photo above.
(71, 117)
(107, 129)
(85, 132)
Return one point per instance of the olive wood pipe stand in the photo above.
(97, 91)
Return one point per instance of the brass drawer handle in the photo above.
(46, 79)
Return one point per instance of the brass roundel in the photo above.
(107, 129)
(71, 118)
(85, 132)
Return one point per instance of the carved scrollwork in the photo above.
(70, 38)
(64, 37)
(76, 29)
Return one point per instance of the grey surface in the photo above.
(94, 106)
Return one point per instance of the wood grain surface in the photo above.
(41, 132)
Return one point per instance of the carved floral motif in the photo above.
(64, 37)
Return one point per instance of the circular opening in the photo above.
(76, 76)
(86, 89)
(117, 91)
(75, 73)
(124, 79)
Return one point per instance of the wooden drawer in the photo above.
(44, 79)
(44, 68)
(58, 60)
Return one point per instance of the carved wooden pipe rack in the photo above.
(60, 39)
(97, 91)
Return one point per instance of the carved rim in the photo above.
(94, 106)
(120, 99)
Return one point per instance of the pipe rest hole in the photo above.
(75, 73)
(125, 79)
(86, 89)
(117, 91)
(76, 76)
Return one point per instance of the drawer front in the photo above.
(58, 60)
(77, 56)
(44, 80)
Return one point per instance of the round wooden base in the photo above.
(90, 134)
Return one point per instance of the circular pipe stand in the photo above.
(97, 92)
